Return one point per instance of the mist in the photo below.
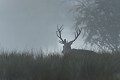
(31, 24)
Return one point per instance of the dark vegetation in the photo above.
(72, 66)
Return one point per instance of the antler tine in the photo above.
(57, 27)
(60, 29)
(78, 31)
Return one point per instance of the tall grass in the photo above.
(73, 66)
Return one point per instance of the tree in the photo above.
(101, 21)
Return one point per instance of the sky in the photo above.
(31, 24)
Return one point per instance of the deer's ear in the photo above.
(71, 42)
(60, 42)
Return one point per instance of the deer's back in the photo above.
(81, 51)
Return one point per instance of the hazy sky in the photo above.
(27, 24)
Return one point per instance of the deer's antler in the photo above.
(77, 33)
(58, 33)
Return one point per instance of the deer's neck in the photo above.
(66, 47)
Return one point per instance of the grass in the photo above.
(73, 66)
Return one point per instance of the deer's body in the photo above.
(82, 51)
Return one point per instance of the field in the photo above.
(72, 66)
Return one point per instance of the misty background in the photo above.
(31, 24)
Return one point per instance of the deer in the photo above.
(67, 44)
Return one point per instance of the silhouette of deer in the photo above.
(66, 44)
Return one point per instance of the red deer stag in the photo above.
(67, 45)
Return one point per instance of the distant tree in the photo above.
(101, 21)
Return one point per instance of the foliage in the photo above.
(101, 21)
(74, 66)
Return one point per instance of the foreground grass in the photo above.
(74, 66)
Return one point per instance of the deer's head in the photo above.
(66, 44)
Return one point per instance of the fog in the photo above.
(31, 24)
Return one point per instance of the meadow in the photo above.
(71, 66)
